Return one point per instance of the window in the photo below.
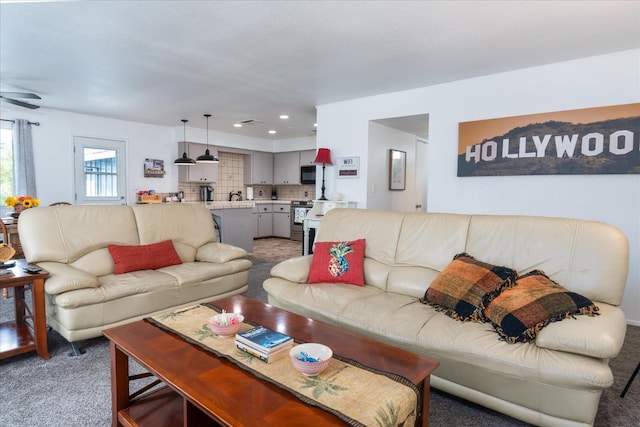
(6, 164)
(100, 166)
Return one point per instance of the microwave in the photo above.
(308, 174)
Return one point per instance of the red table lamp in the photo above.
(323, 157)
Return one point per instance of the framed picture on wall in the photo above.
(397, 169)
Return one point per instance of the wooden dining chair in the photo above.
(5, 240)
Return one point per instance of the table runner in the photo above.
(359, 395)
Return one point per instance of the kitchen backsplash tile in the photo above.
(231, 179)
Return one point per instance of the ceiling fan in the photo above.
(8, 97)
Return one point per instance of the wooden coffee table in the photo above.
(202, 389)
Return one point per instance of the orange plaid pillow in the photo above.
(465, 286)
(519, 313)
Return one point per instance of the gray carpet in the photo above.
(75, 391)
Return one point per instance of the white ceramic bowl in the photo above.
(319, 352)
(226, 324)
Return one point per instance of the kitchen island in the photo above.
(234, 222)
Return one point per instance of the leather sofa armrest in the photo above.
(219, 253)
(294, 270)
(64, 277)
(598, 336)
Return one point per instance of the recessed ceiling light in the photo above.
(284, 116)
(237, 125)
(315, 125)
(272, 132)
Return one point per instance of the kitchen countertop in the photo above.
(272, 202)
(228, 205)
(241, 204)
(225, 204)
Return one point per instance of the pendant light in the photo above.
(184, 160)
(207, 157)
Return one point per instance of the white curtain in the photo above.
(24, 176)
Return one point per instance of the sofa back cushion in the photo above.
(187, 225)
(68, 233)
(587, 257)
(381, 229)
(431, 240)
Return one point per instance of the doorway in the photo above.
(410, 134)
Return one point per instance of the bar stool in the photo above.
(633, 376)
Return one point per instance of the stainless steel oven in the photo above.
(299, 210)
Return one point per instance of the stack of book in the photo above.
(264, 343)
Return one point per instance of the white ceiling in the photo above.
(161, 61)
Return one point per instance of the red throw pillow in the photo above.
(338, 262)
(143, 257)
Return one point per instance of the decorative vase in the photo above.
(18, 209)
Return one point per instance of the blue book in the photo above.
(264, 339)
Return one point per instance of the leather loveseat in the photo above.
(555, 380)
(84, 296)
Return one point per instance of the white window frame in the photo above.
(119, 146)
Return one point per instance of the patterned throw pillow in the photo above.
(338, 262)
(519, 313)
(128, 258)
(464, 288)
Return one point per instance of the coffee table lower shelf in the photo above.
(164, 408)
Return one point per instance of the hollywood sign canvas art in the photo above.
(604, 140)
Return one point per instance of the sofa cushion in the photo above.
(128, 258)
(64, 277)
(219, 253)
(464, 288)
(519, 313)
(338, 262)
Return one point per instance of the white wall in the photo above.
(53, 150)
(590, 82)
(53, 147)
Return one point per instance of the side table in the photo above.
(19, 335)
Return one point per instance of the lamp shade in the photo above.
(184, 160)
(207, 157)
(323, 156)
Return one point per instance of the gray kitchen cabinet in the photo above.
(264, 220)
(258, 168)
(307, 157)
(200, 172)
(286, 168)
(282, 221)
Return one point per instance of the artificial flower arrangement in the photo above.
(25, 201)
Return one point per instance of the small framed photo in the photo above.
(348, 167)
(397, 169)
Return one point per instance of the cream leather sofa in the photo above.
(84, 296)
(556, 381)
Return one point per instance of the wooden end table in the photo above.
(19, 335)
